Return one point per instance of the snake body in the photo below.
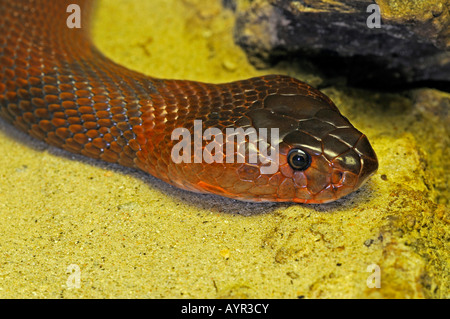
(56, 86)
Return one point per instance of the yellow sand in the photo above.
(133, 236)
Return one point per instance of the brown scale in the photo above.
(56, 86)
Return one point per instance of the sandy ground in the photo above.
(128, 235)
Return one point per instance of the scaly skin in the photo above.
(56, 86)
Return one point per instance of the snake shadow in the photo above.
(209, 202)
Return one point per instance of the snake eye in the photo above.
(298, 159)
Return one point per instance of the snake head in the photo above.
(311, 153)
(324, 168)
(322, 157)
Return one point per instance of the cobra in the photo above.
(58, 87)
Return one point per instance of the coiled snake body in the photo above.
(56, 86)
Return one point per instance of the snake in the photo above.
(56, 86)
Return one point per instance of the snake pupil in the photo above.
(299, 159)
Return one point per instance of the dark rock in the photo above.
(411, 45)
